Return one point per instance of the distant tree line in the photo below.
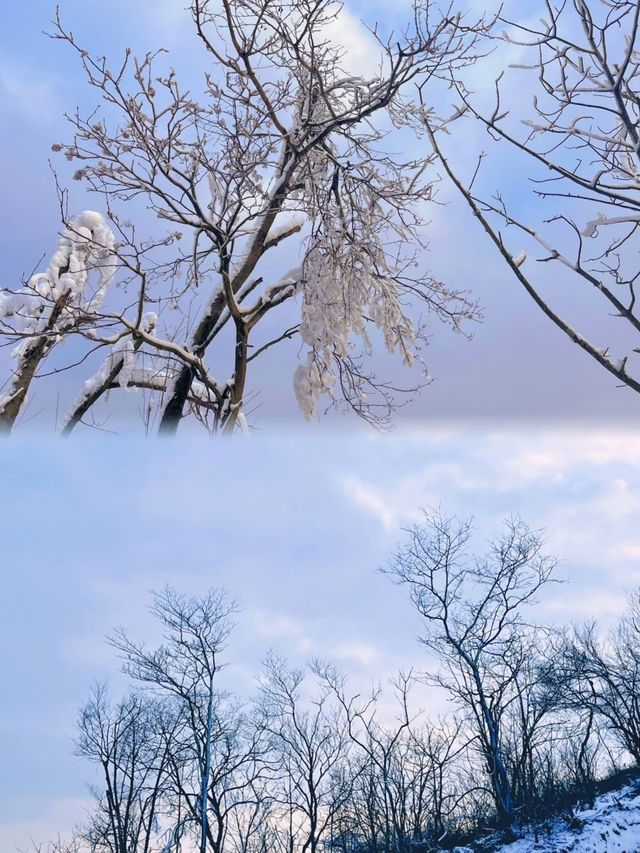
(537, 716)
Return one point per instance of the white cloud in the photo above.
(398, 503)
(593, 603)
(579, 487)
(353, 651)
(560, 451)
(362, 54)
(629, 550)
(371, 499)
(273, 626)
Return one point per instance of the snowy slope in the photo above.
(612, 826)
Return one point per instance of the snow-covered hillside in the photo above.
(611, 826)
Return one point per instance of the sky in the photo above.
(517, 366)
(295, 529)
(294, 521)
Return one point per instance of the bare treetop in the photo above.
(472, 608)
(581, 139)
(196, 634)
(475, 599)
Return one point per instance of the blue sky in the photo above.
(295, 529)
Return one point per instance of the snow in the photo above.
(285, 226)
(243, 425)
(613, 824)
(310, 380)
(51, 301)
(591, 228)
(343, 283)
(122, 353)
(86, 245)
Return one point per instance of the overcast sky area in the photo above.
(294, 529)
(518, 365)
(295, 520)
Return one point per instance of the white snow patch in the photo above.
(613, 824)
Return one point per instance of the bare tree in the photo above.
(127, 741)
(402, 793)
(472, 607)
(309, 744)
(581, 142)
(312, 767)
(57, 846)
(604, 677)
(283, 144)
(535, 724)
(186, 667)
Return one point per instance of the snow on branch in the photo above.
(281, 145)
(52, 302)
(86, 245)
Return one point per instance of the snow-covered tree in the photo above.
(284, 144)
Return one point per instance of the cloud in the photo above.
(372, 500)
(362, 53)
(353, 651)
(595, 603)
(397, 503)
(280, 627)
(579, 487)
(560, 451)
(629, 550)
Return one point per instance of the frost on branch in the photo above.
(284, 228)
(278, 143)
(579, 135)
(344, 283)
(116, 370)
